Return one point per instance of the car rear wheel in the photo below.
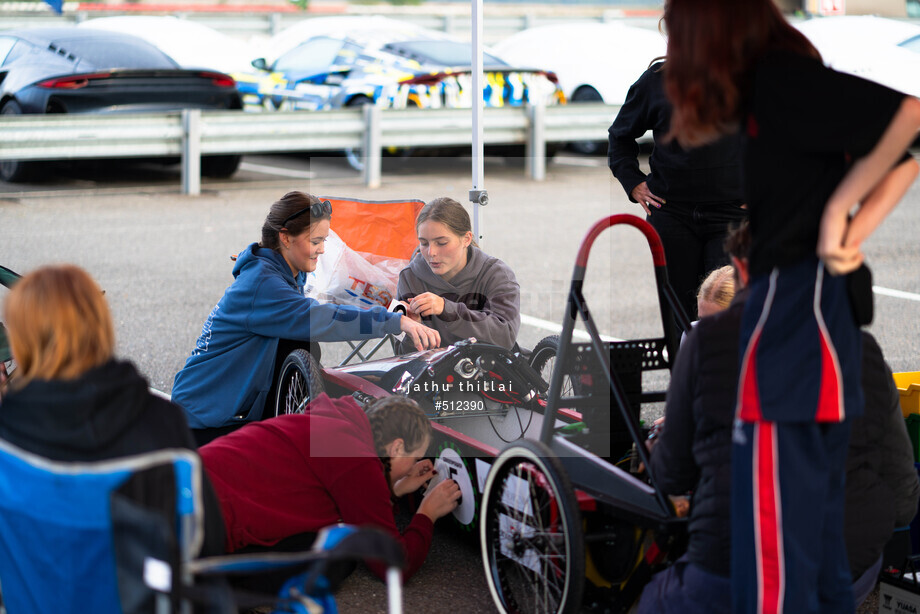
(299, 381)
(530, 532)
(220, 166)
(355, 155)
(586, 93)
(15, 170)
(543, 361)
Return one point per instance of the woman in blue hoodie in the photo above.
(454, 286)
(227, 378)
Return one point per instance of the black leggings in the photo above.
(693, 237)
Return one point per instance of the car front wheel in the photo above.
(220, 166)
(15, 171)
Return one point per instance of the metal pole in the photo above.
(536, 142)
(191, 152)
(372, 153)
(478, 195)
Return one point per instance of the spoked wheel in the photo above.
(299, 381)
(543, 361)
(530, 533)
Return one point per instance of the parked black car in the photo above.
(76, 70)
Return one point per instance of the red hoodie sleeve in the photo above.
(363, 498)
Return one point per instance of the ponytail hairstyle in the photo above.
(397, 417)
(713, 46)
(59, 324)
(286, 206)
(450, 213)
(719, 287)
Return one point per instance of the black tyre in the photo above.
(220, 166)
(530, 532)
(299, 381)
(15, 171)
(543, 361)
(355, 156)
(586, 93)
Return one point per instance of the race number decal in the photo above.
(451, 466)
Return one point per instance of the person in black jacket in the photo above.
(69, 399)
(690, 196)
(881, 484)
(694, 451)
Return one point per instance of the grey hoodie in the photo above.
(483, 300)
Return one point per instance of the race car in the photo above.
(335, 62)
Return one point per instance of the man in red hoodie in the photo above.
(295, 474)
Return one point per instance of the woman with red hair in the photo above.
(818, 145)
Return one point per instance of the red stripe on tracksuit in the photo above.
(830, 396)
(768, 526)
(830, 405)
(749, 395)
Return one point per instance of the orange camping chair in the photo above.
(383, 233)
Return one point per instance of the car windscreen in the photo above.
(913, 44)
(113, 53)
(444, 53)
(312, 57)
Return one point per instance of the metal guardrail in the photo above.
(263, 25)
(193, 133)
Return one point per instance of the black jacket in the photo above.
(695, 447)
(707, 174)
(106, 413)
(882, 486)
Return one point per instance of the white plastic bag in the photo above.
(347, 277)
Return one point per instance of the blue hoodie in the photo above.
(229, 374)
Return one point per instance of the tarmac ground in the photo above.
(164, 261)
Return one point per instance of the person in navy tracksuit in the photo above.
(818, 144)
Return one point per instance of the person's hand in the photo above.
(681, 505)
(423, 337)
(838, 257)
(645, 198)
(440, 500)
(427, 304)
(654, 434)
(419, 475)
(842, 260)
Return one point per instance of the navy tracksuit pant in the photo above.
(799, 382)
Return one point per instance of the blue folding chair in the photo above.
(123, 536)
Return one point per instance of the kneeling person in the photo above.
(295, 474)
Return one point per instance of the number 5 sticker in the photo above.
(451, 466)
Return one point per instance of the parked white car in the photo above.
(594, 62)
(884, 50)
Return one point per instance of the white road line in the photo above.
(557, 328)
(896, 293)
(573, 161)
(159, 393)
(276, 170)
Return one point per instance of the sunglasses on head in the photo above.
(316, 210)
